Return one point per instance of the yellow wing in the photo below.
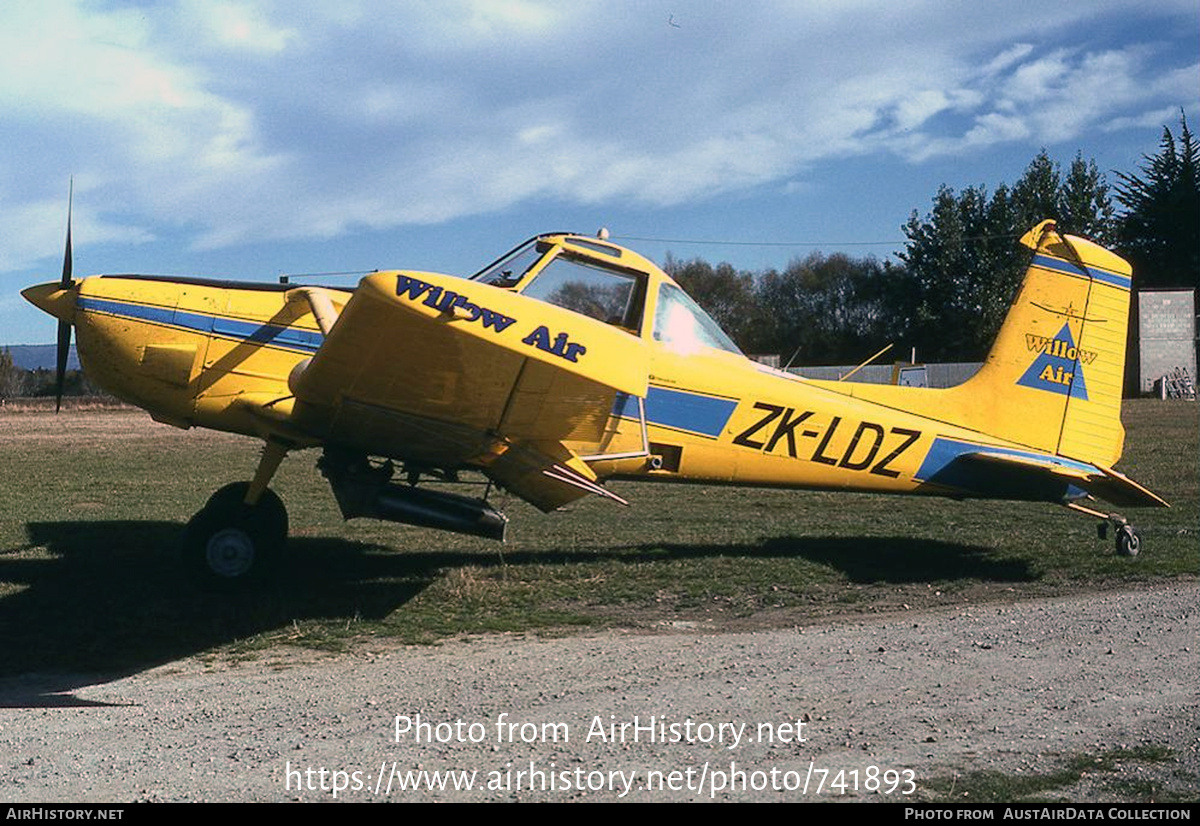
(448, 373)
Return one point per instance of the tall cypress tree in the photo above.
(1160, 231)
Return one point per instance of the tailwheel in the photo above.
(230, 544)
(1129, 540)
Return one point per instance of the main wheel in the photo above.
(230, 544)
(270, 507)
(1129, 541)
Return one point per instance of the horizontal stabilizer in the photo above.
(1121, 490)
(1026, 476)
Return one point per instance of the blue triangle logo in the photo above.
(1057, 368)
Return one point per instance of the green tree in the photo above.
(825, 309)
(1085, 206)
(961, 268)
(1038, 194)
(725, 293)
(963, 263)
(1160, 230)
(11, 376)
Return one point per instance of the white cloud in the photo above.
(1052, 97)
(1153, 119)
(1007, 58)
(44, 234)
(100, 94)
(237, 26)
(995, 127)
(916, 109)
(250, 120)
(1038, 79)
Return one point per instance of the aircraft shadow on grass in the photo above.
(874, 559)
(113, 601)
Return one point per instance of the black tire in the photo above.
(1129, 541)
(229, 544)
(270, 506)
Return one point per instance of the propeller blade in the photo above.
(67, 265)
(64, 347)
(64, 327)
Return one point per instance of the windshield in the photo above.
(589, 289)
(680, 323)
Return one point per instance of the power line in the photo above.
(710, 242)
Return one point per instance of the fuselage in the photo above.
(192, 352)
(219, 355)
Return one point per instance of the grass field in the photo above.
(93, 504)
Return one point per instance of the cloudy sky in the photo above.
(251, 139)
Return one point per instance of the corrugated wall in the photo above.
(936, 375)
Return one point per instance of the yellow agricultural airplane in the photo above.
(570, 361)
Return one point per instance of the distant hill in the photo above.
(34, 356)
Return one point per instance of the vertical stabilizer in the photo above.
(1053, 378)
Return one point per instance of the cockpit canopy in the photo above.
(608, 283)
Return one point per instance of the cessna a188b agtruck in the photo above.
(570, 361)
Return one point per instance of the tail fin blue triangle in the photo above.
(1057, 369)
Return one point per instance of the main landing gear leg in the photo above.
(237, 538)
(1129, 540)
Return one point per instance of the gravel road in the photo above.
(1017, 688)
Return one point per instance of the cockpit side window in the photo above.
(508, 271)
(591, 290)
(680, 323)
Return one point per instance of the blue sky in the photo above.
(251, 139)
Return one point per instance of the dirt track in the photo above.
(1018, 688)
